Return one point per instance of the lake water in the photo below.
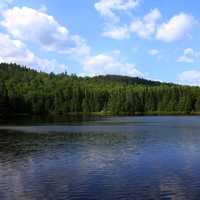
(104, 158)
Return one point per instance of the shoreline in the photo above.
(108, 114)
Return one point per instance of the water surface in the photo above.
(109, 158)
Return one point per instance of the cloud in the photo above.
(149, 26)
(189, 56)
(14, 51)
(146, 26)
(117, 33)
(154, 52)
(41, 28)
(190, 77)
(176, 28)
(111, 10)
(35, 27)
(108, 8)
(103, 64)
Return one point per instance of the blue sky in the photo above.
(152, 39)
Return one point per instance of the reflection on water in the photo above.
(106, 159)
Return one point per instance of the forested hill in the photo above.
(126, 80)
(26, 91)
(8, 70)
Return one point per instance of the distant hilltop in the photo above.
(128, 80)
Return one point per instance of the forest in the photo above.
(26, 91)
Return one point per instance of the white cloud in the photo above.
(111, 10)
(32, 25)
(108, 8)
(103, 64)
(176, 28)
(154, 52)
(117, 32)
(36, 27)
(189, 56)
(146, 26)
(14, 51)
(190, 77)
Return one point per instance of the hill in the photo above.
(127, 80)
(23, 90)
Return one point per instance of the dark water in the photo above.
(118, 158)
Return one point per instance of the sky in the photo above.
(158, 40)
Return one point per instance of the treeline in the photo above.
(26, 91)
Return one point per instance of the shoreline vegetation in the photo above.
(26, 92)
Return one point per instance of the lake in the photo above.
(100, 158)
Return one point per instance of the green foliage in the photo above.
(26, 91)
